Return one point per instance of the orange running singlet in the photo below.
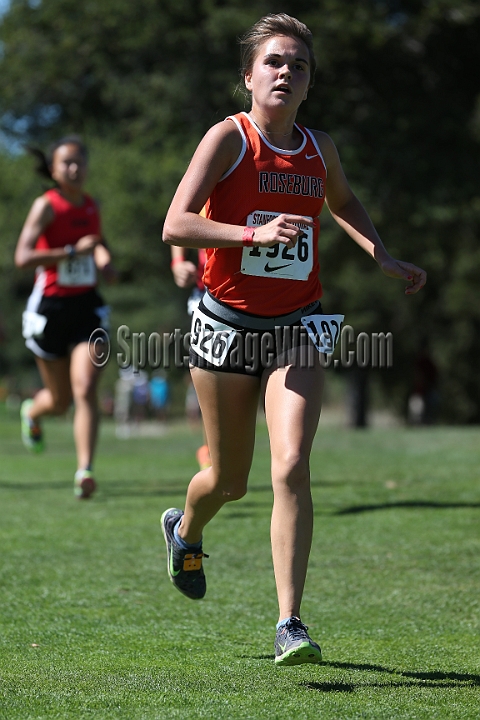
(264, 182)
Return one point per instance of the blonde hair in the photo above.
(271, 26)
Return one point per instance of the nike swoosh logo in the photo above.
(309, 157)
(173, 572)
(282, 647)
(267, 267)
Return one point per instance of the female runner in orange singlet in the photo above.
(263, 178)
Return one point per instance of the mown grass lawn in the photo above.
(90, 626)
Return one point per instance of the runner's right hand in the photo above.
(281, 230)
(87, 244)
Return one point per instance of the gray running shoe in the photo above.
(184, 566)
(293, 646)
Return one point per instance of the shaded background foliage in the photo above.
(397, 88)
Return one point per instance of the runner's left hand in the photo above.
(405, 271)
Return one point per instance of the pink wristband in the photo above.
(176, 260)
(247, 237)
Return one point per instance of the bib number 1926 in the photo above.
(278, 261)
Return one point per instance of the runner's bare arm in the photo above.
(184, 226)
(40, 216)
(184, 271)
(349, 213)
(103, 261)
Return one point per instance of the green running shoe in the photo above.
(32, 436)
(84, 484)
(293, 646)
(184, 566)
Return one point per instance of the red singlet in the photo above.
(265, 180)
(70, 223)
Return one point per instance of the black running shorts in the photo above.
(255, 343)
(69, 321)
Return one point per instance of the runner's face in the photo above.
(69, 166)
(280, 74)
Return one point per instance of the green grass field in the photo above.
(91, 627)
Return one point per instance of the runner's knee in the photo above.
(85, 390)
(232, 488)
(291, 470)
(236, 493)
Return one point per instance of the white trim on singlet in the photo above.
(279, 151)
(242, 151)
(314, 141)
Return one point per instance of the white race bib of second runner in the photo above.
(76, 271)
(324, 331)
(278, 261)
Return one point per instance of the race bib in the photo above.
(278, 261)
(33, 324)
(211, 339)
(76, 271)
(324, 331)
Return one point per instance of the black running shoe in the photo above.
(184, 566)
(293, 646)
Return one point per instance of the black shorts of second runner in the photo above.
(256, 349)
(70, 321)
